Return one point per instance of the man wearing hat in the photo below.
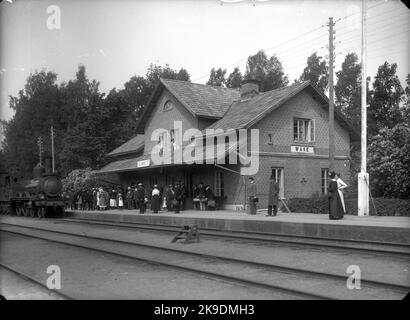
(141, 197)
(169, 197)
(252, 196)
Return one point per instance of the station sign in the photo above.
(302, 149)
(143, 163)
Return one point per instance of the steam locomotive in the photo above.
(41, 196)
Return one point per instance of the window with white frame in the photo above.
(303, 130)
(325, 180)
(219, 184)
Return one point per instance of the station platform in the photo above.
(370, 228)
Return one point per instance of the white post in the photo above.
(331, 101)
(363, 178)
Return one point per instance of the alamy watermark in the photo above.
(207, 147)
(353, 280)
(53, 21)
(54, 280)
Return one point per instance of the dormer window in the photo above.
(168, 105)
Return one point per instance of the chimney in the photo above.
(249, 88)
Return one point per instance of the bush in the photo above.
(384, 206)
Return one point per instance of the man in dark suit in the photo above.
(141, 197)
(178, 197)
(169, 197)
(273, 196)
(252, 196)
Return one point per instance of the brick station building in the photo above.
(293, 140)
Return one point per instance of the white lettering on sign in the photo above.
(302, 149)
(143, 163)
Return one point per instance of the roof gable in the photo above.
(200, 100)
(245, 113)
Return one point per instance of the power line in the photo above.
(286, 51)
(353, 14)
(370, 25)
(268, 49)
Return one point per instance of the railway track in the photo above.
(342, 244)
(35, 281)
(269, 276)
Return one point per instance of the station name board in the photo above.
(302, 149)
(143, 163)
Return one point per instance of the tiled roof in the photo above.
(242, 113)
(132, 163)
(135, 144)
(202, 100)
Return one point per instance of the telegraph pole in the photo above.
(331, 100)
(40, 149)
(52, 149)
(363, 178)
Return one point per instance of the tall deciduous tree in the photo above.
(316, 71)
(348, 88)
(234, 79)
(36, 107)
(217, 77)
(268, 71)
(384, 109)
(83, 142)
(406, 105)
(389, 161)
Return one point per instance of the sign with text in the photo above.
(302, 149)
(143, 163)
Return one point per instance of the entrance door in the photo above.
(278, 175)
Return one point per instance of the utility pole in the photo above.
(40, 149)
(331, 100)
(52, 149)
(363, 178)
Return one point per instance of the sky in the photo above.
(116, 40)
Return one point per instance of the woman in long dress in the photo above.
(155, 199)
(341, 185)
(103, 199)
(335, 203)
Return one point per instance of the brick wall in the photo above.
(280, 124)
(165, 119)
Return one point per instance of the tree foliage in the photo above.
(234, 79)
(406, 105)
(384, 109)
(389, 162)
(268, 71)
(88, 124)
(79, 179)
(316, 71)
(348, 89)
(217, 77)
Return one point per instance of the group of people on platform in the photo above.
(337, 208)
(171, 198)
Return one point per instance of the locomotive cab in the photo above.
(39, 196)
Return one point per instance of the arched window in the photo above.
(168, 105)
